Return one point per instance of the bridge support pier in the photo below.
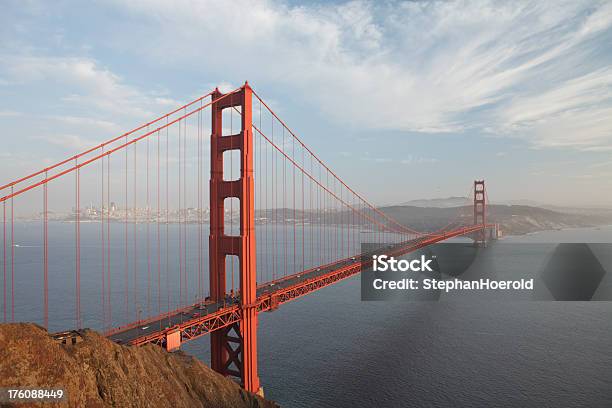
(173, 340)
(234, 348)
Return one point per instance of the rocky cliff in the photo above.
(96, 372)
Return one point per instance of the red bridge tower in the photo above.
(234, 348)
(480, 211)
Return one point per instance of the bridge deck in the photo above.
(208, 309)
(202, 318)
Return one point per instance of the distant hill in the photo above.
(514, 219)
(437, 202)
(435, 214)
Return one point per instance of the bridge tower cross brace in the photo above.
(480, 210)
(234, 348)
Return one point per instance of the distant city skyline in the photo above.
(404, 100)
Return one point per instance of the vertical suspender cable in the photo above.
(4, 256)
(77, 227)
(284, 206)
(158, 222)
(185, 286)
(148, 237)
(12, 257)
(294, 222)
(311, 215)
(273, 247)
(108, 248)
(303, 215)
(134, 255)
(199, 188)
(103, 238)
(167, 223)
(125, 239)
(180, 225)
(45, 256)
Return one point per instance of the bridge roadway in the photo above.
(207, 316)
(208, 308)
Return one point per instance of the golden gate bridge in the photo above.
(280, 225)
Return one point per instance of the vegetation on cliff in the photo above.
(96, 372)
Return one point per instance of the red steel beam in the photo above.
(194, 328)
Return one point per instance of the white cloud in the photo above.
(9, 113)
(575, 113)
(225, 87)
(533, 70)
(523, 69)
(70, 142)
(78, 97)
(84, 83)
(419, 160)
(601, 164)
(85, 122)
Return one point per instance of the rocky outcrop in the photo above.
(96, 372)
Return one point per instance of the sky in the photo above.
(404, 100)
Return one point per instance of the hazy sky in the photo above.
(404, 100)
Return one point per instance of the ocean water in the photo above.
(330, 349)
